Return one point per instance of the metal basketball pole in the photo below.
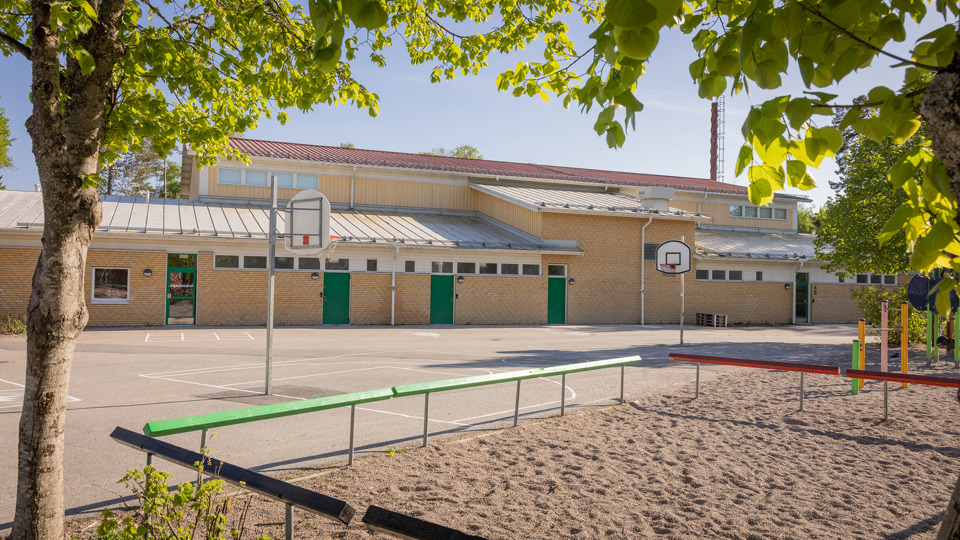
(271, 271)
(682, 276)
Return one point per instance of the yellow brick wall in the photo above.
(147, 295)
(413, 299)
(16, 276)
(607, 288)
(239, 297)
(369, 298)
(743, 302)
(501, 300)
(834, 303)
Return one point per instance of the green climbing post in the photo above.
(929, 337)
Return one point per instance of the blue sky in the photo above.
(672, 135)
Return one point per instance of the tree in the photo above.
(347, 145)
(462, 151)
(139, 173)
(806, 215)
(851, 222)
(112, 73)
(5, 140)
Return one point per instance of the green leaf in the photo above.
(905, 130)
(636, 43)
(712, 86)
(773, 153)
(744, 158)
(615, 135)
(872, 127)
(799, 111)
(797, 175)
(632, 14)
(84, 58)
(897, 222)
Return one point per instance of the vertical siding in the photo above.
(413, 194)
(335, 188)
(527, 221)
(721, 216)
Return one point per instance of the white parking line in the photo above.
(16, 396)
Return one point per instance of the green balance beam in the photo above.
(263, 412)
(482, 380)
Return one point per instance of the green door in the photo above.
(441, 299)
(557, 300)
(803, 298)
(336, 298)
(181, 288)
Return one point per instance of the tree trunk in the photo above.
(66, 136)
(940, 108)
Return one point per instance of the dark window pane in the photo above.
(226, 261)
(110, 283)
(650, 251)
(766, 213)
(531, 269)
(510, 269)
(759, 276)
(750, 211)
(736, 211)
(719, 274)
(556, 270)
(466, 268)
(862, 278)
(875, 279)
(283, 263)
(309, 263)
(178, 260)
(447, 268)
(488, 268)
(703, 274)
(371, 265)
(841, 279)
(410, 266)
(337, 264)
(736, 275)
(251, 261)
(889, 280)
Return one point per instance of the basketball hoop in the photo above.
(668, 268)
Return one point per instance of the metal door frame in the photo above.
(182, 270)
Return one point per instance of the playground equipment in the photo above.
(920, 291)
(884, 328)
(949, 382)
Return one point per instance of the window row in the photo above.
(262, 178)
(873, 279)
(759, 212)
(259, 262)
(724, 275)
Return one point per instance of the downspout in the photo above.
(393, 286)
(643, 260)
(701, 202)
(793, 308)
(353, 178)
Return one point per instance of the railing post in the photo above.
(801, 391)
(904, 338)
(149, 459)
(862, 332)
(622, 372)
(697, 395)
(203, 439)
(516, 410)
(288, 530)
(855, 383)
(563, 392)
(353, 416)
(930, 339)
(426, 417)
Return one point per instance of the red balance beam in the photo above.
(765, 364)
(949, 382)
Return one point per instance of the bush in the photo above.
(868, 302)
(14, 325)
(199, 510)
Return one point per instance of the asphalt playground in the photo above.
(128, 377)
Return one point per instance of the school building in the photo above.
(437, 240)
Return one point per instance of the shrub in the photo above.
(13, 325)
(868, 302)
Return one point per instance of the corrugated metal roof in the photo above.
(596, 201)
(755, 245)
(180, 217)
(380, 158)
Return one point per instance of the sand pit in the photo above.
(740, 462)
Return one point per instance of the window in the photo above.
(531, 269)
(441, 267)
(875, 279)
(736, 211)
(736, 275)
(307, 181)
(308, 263)
(226, 261)
(750, 211)
(488, 268)
(890, 280)
(284, 180)
(509, 269)
(650, 251)
(703, 274)
(863, 278)
(229, 176)
(110, 285)
(766, 213)
(177, 260)
(410, 266)
(256, 178)
(371, 265)
(759, 276)
(718, 274)
(466, 268)
(841, 279)
(283, 263)
(779, 213)
(250, 261)
(556, 270)
(337, 264)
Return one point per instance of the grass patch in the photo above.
(13, 325)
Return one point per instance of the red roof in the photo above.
(380, 158)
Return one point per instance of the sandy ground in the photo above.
(740, 462)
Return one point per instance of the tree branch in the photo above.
(15, 45)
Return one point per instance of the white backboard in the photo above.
(307, 223)
(673, 257)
